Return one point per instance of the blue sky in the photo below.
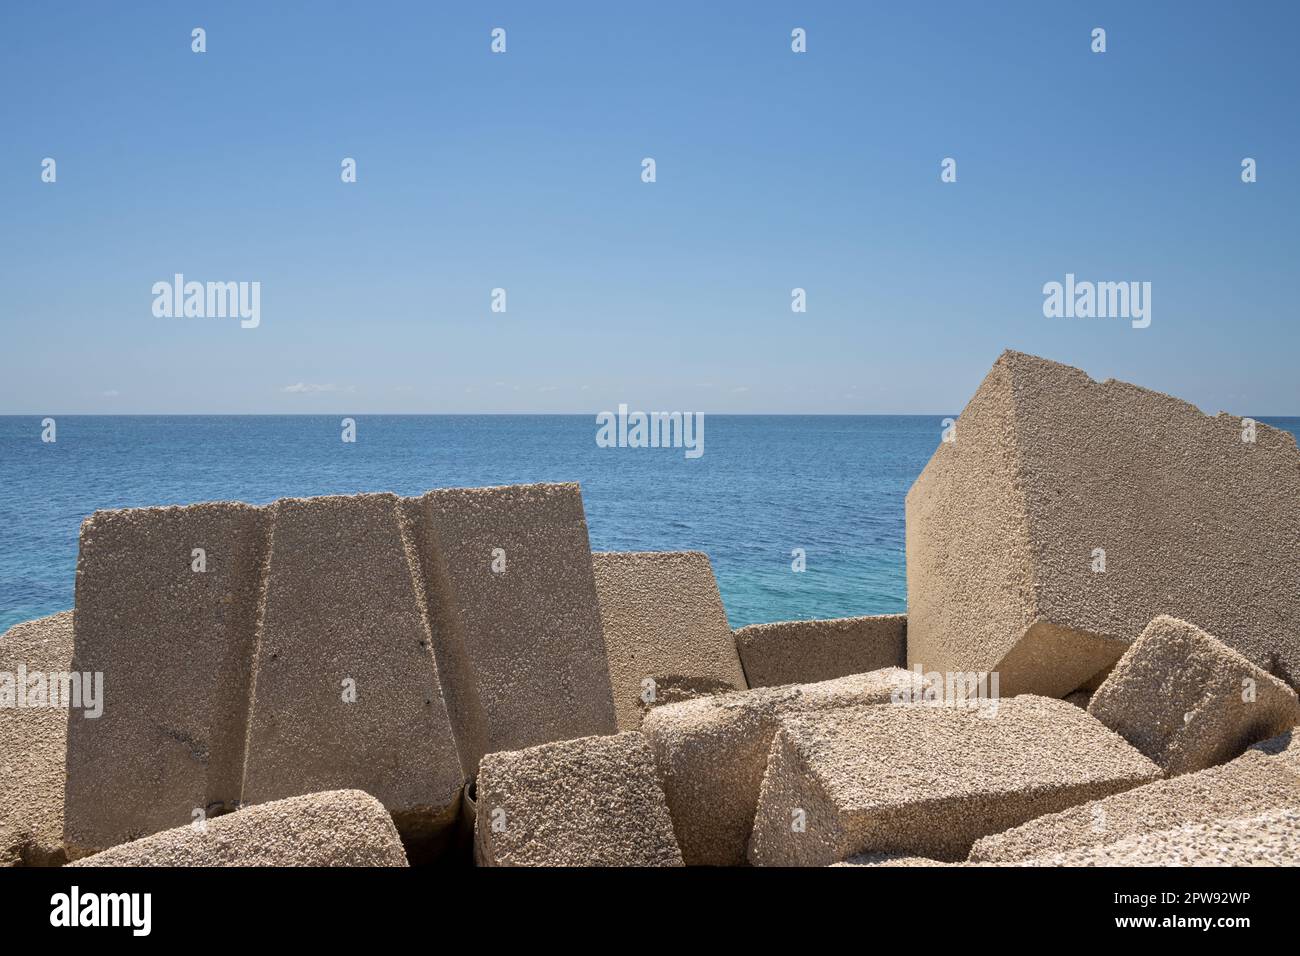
(522, 171)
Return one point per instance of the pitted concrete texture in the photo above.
(523, 644)
(1250, 785)
(346, 691)
(174, 646)
(664, 623)
(1270, 839)
(1285, 747)
(1188, 701)
(1048, 466)
(33, 739)
(335, 828)
(891, 859)
(1080, 699)
(925, 780)
(802, 652)
(711, 754)
(595, 801)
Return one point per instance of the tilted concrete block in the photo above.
(666, 631)
(166, 604)
(712, 751)
(34, 706)
(346, 692)
(1250, 785)
(334, 828)
(595, 801)
(925, 780)
(1053, 476)
(1188, 701)
(516, 621)
(803, 652)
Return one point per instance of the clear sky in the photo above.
(522, 171)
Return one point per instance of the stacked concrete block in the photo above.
(1188, 701)
(803, 652)
(666, 631)
(166, 608)
(34, 656)
(346, 693)
(928, 780)
(333, 828)
(1248, 786)
(595, 801)
(516, 620)
(712, 751)
(1065, 514)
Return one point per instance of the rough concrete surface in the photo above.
(523, 645)
(1188, 701)
(1047, 466)
(802, 652)
(595, 801)
(334, 828)
(346, 692)
(1285, 747)
(929, 780)
(1250, 785)
(711, 753)
(664, 622)
(174, 647)
(32, 742)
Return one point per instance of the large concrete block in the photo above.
(595, 801)
(712, 751)
(1048, 466)
(346, 692)
(166, 603)
(1189, 701)
(802, 652)
(1269, 839)
(335, 828)
(664, 622)
(516, 621)
(924, 780)
(34, 656)
(1250, 785)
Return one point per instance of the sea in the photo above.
(769, 494)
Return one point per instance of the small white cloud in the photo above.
(741, 388)
(111, 393)
(303, 388)
(549, 388)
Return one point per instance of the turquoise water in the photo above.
(766, 485)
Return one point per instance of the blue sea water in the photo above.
(766, 485)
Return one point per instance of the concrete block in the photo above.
(1285, 747)
(346, 692)
(1248, 786)
(1188, 701)
(711, 753)
(1005, 524)
(803, 652)
(925, 780)
(595, 801)
(663, 622)
(33, 740)
(523, 645)
(335, 828)
(174, 646)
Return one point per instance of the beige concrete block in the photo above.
(1188, 701)
(928, 781)
(33, 740)
(803, 652)
(1248, 786)
(346, 692)
(1049, 465)
(664, 623)
(174, 647)
(1285, 746)
(711, 753)
(523, 646)
(595, 801)
(336, 828)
